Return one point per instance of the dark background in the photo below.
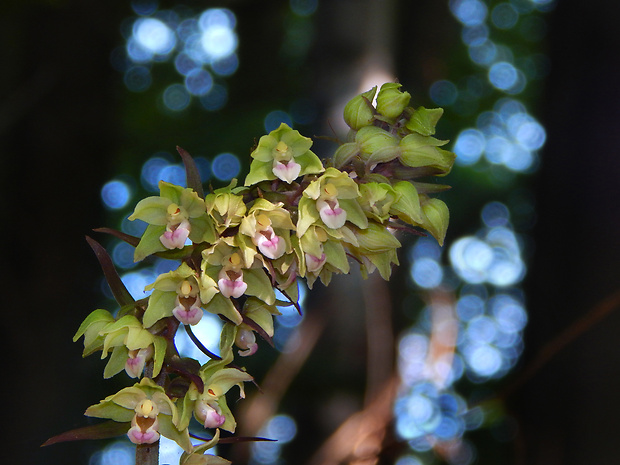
(67, 125)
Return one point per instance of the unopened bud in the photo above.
(359, 112)
(391, 102)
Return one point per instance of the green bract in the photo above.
(283, 154)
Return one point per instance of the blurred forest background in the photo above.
(516, 313)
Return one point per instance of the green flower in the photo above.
(237, 274)
(180, 293)
(127, 337)
(173, 217)
(269, 226)
(376, 250)
(150, 411)
(376, 200)
(210, 407)
(282, 154)
(320, 255)
(226, 208)
(332, 200)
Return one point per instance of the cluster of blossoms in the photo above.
(294, 217)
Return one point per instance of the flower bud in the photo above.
(424, 120)
(246, 339)
(359, 112)
(391, 102)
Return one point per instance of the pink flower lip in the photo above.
(231, 283)
(287, 172)
(175, 236)
(270, 245)
(332, 215)
(314, 264)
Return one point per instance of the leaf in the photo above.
(191, 172)
(105, 430)
(119, 291)
(131, 240)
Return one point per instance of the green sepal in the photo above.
(261, 314)
(259, 171)
(384, 154)
(90, 328)
(202, 230)
(407, 206)
(185, 407)
(109, 409)
(166, 428)
(376, 239)
(424, 120)
(161, 304)
(423, 151)
(307, 215)
(151, 210)
(150, 242)
(355, 214)
(259, 285)
(116, 362)
(160, 344)
(383, 262)
(230, 424)
(376, 200)
(201, 449)
(336, 256)
(221, 305)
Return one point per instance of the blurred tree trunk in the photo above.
(57, 131)
(568, 412)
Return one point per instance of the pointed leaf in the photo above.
(119, 291)
(105, 430)
(191, 172)
(131, 240)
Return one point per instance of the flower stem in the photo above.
(147, 454)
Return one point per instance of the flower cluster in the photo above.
(294, 217)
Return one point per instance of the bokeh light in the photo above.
(225, 166)
(283, 429)
(275, 118)
(176, 97)
(202, 48)
(207, 331)
(115, 194)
